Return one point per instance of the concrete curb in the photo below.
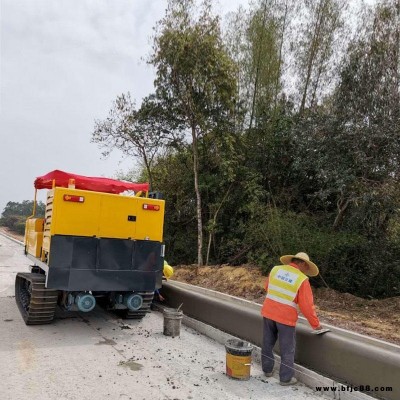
(363, 365)
(11, 238)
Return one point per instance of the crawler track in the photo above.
(36, 303)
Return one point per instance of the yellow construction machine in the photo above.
(94, 245)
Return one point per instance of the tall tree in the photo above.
(265, 61)
(15, 214)
(138, 133)
(23, 209)
(368, 102)
(321, 26)
(257, 40)
(355, 142)
(236, 45)
(195, 73)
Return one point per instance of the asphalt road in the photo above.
(100, 356)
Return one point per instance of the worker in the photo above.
(168, 271)
(287, 287)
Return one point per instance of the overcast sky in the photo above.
(62, 63)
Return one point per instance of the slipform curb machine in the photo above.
(93, 246)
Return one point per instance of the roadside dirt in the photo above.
(7, 232)
(376, 318)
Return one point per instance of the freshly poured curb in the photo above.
(343, 356)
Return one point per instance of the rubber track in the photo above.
(36, 303)
(139, 314)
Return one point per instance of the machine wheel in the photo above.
(36, 303)
(139, 314)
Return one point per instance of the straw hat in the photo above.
(313, 270)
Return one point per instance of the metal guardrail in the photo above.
(344, 356)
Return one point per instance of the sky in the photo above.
(62, 63)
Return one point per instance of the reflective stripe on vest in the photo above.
(284, 283)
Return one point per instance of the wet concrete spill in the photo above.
(110, 342)
(132, 365)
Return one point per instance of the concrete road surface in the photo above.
(99, 356)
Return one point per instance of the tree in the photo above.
(354, 141)
(322, 23)
(138, 133)
(368, 100)
(173, 174)
(257, 41)
(15, 214)
(195, 73)
(265, 47)
(23, 209)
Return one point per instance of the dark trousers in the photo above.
(287, 345)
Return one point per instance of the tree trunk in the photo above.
(258, 68)
(312, 54)
(214, 223)
(278, 75)
(148, 169)
(198, 199)
(342, 205)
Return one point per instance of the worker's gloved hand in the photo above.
(161, 297)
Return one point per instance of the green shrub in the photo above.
(348, 262)
(15, 223)
(274, 232)
(15, 214)
(9, 221)
(369, 269)
(19, 227)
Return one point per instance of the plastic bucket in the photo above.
(238, 359)
(172, 322)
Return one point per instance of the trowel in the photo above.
(320, 331)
